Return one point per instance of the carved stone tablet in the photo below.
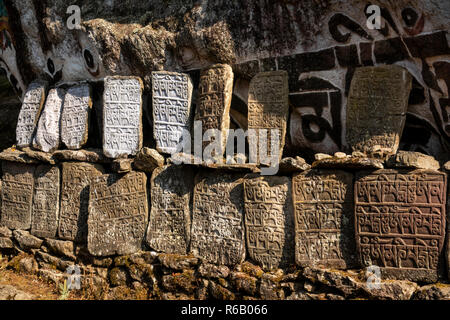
(76, 177)
(217, 233)
(269, 220)
(17, 195)
(376, 108)
(172, 93)
(169, 227)
(45, 212)
(118, 214)
(75, 116)
(33, 101)
(400, 222)
(214, 101)
(47, 136)
(324, 229)
(122, 116)
(268, 107)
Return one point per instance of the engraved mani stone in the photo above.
(400, 222)
(268, 107)
(75, 116)
(214, 101)
(324, 228)
(172, 94)
(169, 225)
(47, 136)
(376, 108)
(45, 210)
(33, 102)
(122, 116)
(217, 233)
(17, 195)
(118, 214)
(76, 179)
(269, 220)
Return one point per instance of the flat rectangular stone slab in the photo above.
(400, 222)
(75, 116)
(33, 102)
(76, 179)
(45, 212)
(169, 228)
(48, 131)
(118, 214)
(269, 220)
(172, 95)
(214, 101)
(324, 229)
(217, 233)
(376, 108)
(268, 108)
(122, 116)
(17, 195)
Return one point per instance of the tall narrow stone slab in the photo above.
(217, 233)
(45, 212)
(169, 225)
(324, 229)
(122, 116)
(76, 179)
(172, 93)
(268, 107)
(48, 131)
(269, 220)
(118, 214)
(17, 195)
(376, 108)
(400, 222)
(33, 102)
(75, 116)
(214, 101)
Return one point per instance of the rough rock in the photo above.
(219, 292)
(208, 270)
(148, 159)
(410, 159)
(436, 291)
(348, 163)
(5, 232)
(15, 155)
(85, 155)
(118, 277)
(321, 156)
(244, 283)
(184, 281)
(290, 165)
(61, 248)
(8, 292)
(6, 243)
(46, 260)
(27, 241)
(122, 165)
(178, 262)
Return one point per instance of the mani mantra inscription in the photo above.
(217, 222)
(122, 116)
(118, 214)
(324, 229)
(269, 220)
(172, 114)
(400, 222)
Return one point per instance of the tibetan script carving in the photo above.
(269, 220)
(217, 222)
(324, 229)
(75, 116)
(268, 109)
(47, 136)
(17, 195)
(400, 222)
(172, 93)
(214, 101)
(33, 101)
(376, 108)
(118, 213)
(169, 227)
(122, 116)
(76, 177)
(45, 212)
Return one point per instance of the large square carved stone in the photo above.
(324, 229)
(118, 214)
(122, 116)
(269, 220)
(400, 222)
(217, 234)
(376, 108)
(169, 225)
